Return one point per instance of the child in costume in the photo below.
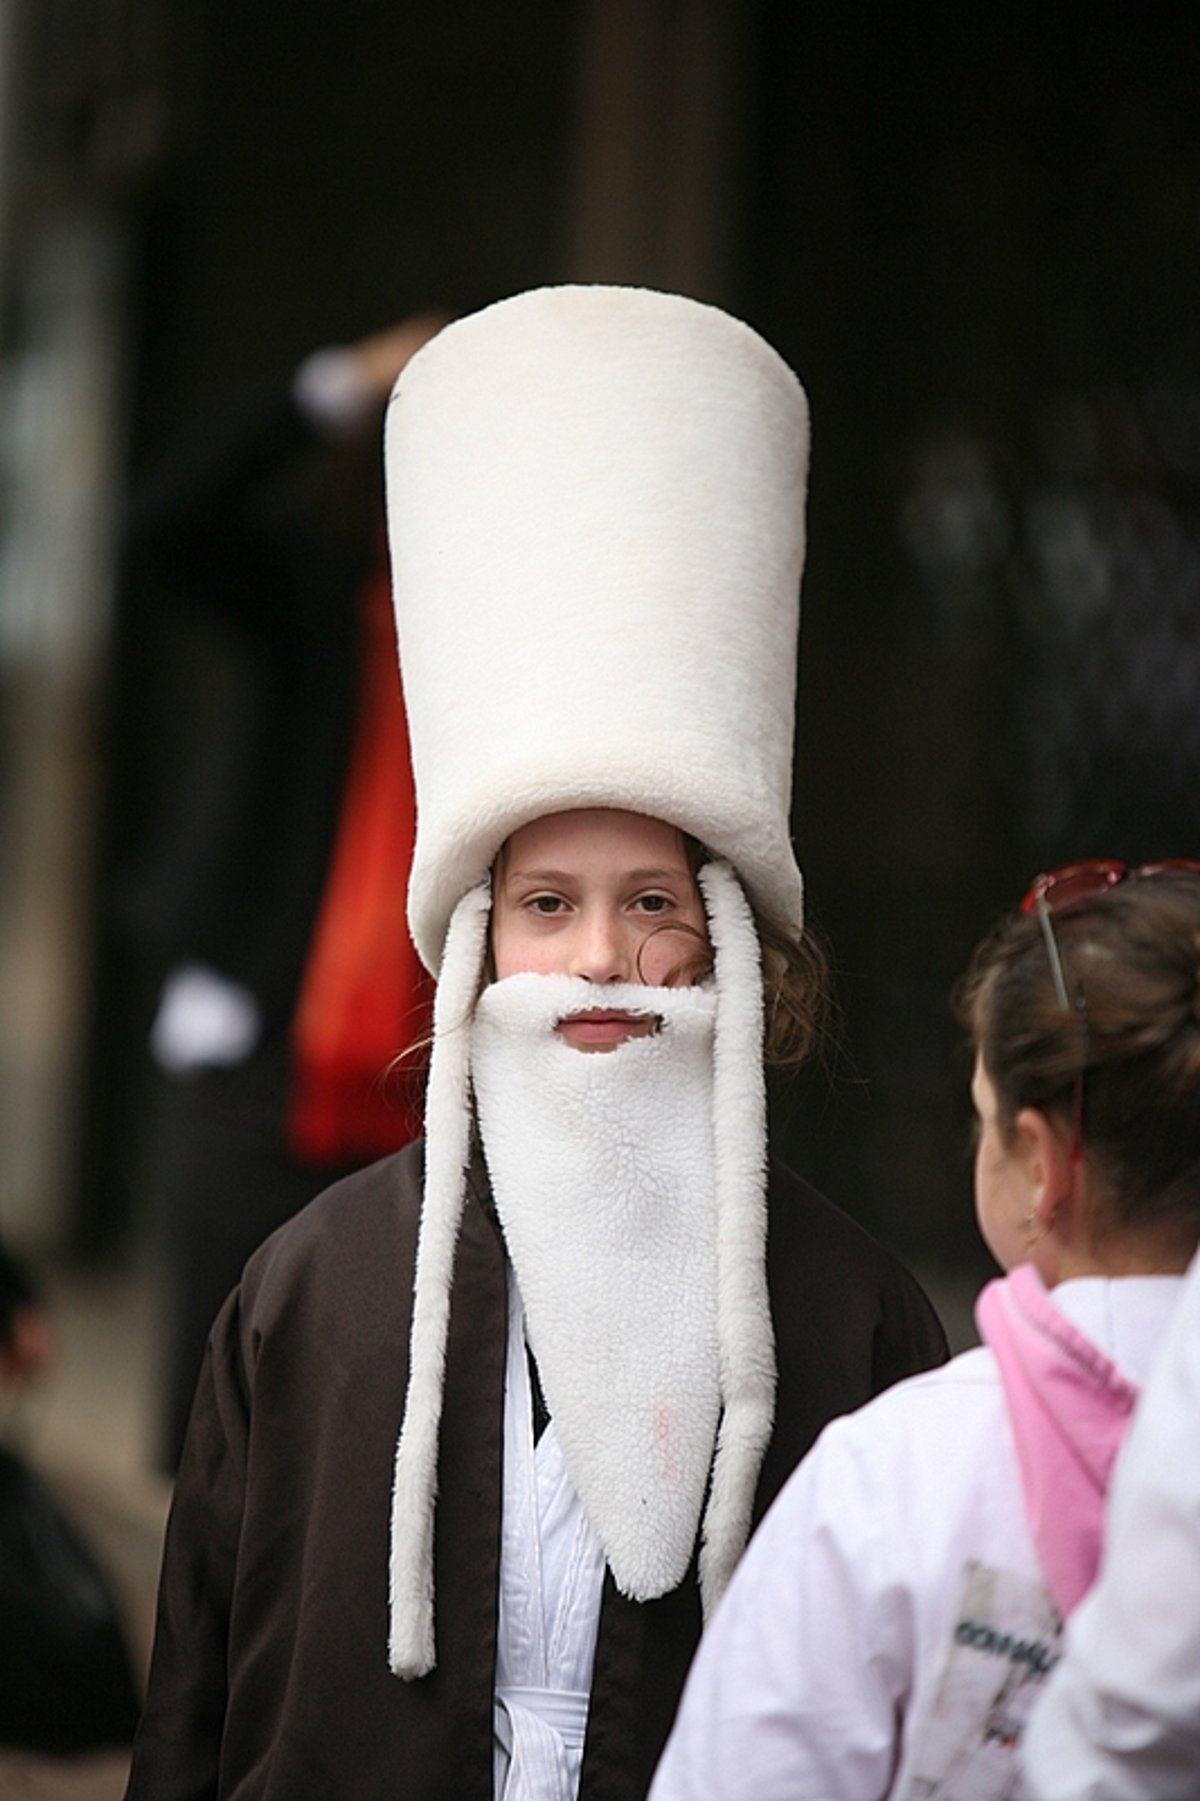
(596, 512)
(865, 1650)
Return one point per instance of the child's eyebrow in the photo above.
(557, 877)
(680, 874)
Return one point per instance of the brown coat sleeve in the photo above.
(178, 1744)
(270, 1680)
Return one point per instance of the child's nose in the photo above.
(602, 951)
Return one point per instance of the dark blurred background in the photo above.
(974, 232)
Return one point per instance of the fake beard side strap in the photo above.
(411, 1648)
(745, 1337)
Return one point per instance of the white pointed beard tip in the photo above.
(652, 1586)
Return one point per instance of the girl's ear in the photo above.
(1049, 1168)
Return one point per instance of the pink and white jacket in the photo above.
(900, 1607)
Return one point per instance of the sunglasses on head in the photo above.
(1059, 891)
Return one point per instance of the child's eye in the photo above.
(654, 903)
(545, 905)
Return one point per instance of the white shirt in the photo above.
(551, 1577)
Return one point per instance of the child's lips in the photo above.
(603, 1028)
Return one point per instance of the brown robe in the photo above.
(270, 1679)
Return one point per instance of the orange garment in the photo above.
(364, 996)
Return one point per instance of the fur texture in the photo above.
(596, 509)
(601, 1167)
(654, 1175)
(747, 1347)
(411, 1649)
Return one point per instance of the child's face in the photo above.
(581, 894)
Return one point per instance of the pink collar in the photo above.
(1069, 1408)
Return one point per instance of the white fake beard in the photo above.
(602, 1170)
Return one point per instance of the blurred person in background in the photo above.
(26, 1338)
(274, 897)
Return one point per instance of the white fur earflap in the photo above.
(411, 1649)
(596, 516)
(745, 1337)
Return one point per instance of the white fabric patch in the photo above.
(602, 1169)
(1005, 1641)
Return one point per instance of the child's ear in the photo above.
(1048, 1166)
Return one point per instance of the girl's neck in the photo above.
(1148, 1253)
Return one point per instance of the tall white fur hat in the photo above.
(596, 513)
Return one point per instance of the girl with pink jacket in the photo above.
(902, 1604)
